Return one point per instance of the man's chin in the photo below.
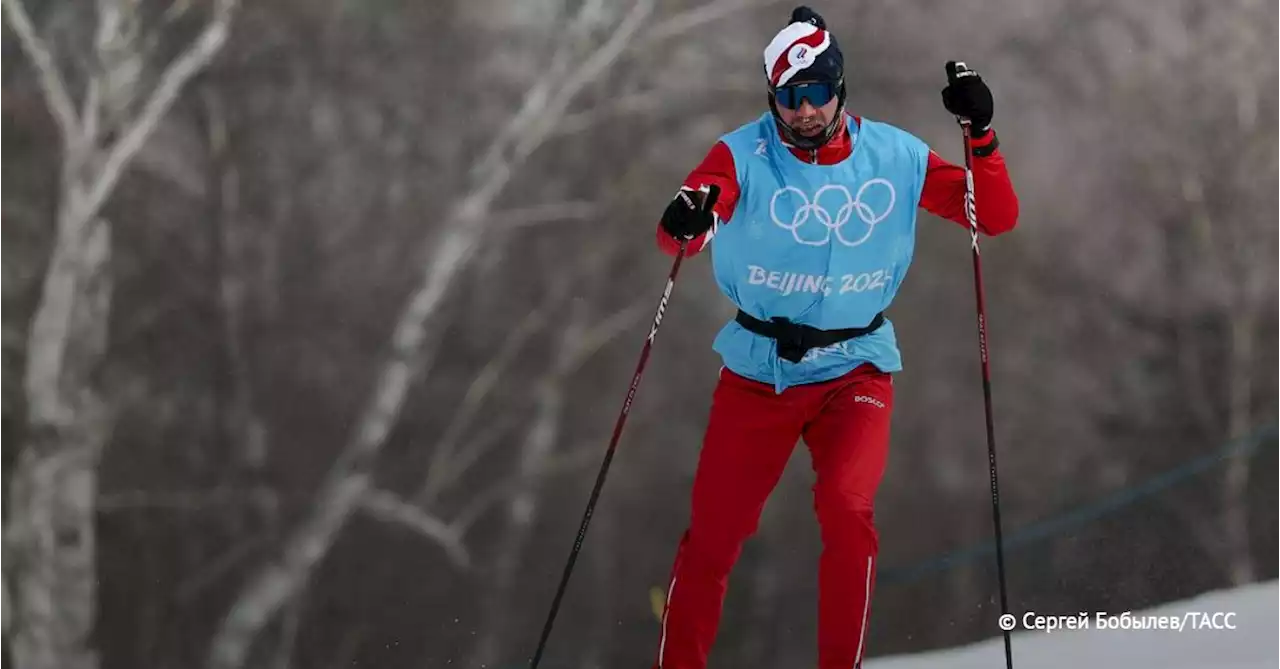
(808, 132)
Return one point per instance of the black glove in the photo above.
(967, 96)
(689, 214)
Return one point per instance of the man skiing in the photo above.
(810, 215)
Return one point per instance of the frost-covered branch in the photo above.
(51, 81)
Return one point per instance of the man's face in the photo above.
(797, 108)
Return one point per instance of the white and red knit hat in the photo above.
(803, 51)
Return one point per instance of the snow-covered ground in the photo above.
(1253, 644)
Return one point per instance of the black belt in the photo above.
(794, 339)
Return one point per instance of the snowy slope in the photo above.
(1252, 645)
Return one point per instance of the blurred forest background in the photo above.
(318, 315)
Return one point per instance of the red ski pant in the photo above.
(751, 434)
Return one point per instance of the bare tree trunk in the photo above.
(580, 339)
(1235, 485)
(1228, 263)
(283, 656)
(1244, 314)
(49, 532)
(522, 515)
(349, 482)
(522, 507)
(239, 428)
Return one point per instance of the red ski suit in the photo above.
(844, 422)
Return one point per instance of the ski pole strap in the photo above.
(795, 339)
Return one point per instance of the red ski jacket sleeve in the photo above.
(995, 201)
(716, 168)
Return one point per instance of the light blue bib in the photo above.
(822, 245)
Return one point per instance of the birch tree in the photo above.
(412, 344)
(586, 52)
(49, 533)
(578, 340)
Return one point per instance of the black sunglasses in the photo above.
(817, 93)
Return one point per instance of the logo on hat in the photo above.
(801, 56)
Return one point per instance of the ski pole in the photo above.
(712, 195)
(970, 212)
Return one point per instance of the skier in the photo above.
(811, 231)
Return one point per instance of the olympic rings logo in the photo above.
(849, 205)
